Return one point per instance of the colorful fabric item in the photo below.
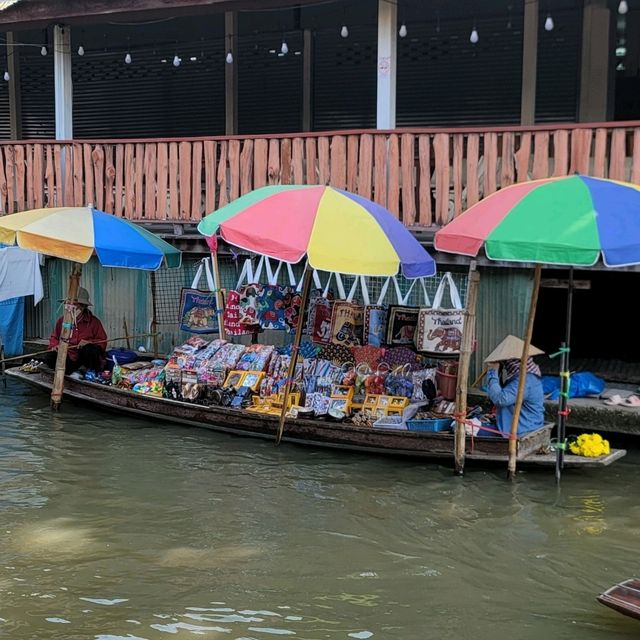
(569, 220)
(287, 222)
(336, 353)
(401, 325)
(375, 323)
(248, 305)
(77, 233)
(231, 316)
(512, 368)
(320, 321)
(269, 304)
(368, 355)
(400, 356)
(255, 358)
(346, 323)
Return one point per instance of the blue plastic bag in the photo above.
(581, 385)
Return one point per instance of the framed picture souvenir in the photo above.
(375, 323)
(401, 325)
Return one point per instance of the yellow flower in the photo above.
(591, 445)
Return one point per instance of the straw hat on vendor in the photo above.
(82, 298)
(511, 349)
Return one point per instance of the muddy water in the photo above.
(114, 528)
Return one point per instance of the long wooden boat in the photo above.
(417, 444)
(624, 598)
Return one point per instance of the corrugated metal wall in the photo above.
(503, 308)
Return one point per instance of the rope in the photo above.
(560, 352)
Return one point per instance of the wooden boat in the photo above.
(416, 444)
(624, 598)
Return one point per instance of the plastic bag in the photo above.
(581, 385)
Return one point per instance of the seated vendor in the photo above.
(502, 386)
(87, 342)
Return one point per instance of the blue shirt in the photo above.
(532, 412)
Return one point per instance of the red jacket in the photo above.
(88, 328)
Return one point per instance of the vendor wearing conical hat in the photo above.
(503, 372)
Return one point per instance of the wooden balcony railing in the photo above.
(425, 177)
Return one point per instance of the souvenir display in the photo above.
(198, 307)
(375, 323)
(346, 324)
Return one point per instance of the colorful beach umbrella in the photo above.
(338, 231)
(77, 233)
(570, 221)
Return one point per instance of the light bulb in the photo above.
(43, 51)
(548, 24)
(623, 7)
(284, 48)
(403, 31)
(7, 77)
(176, 61)
(474, 37)
(127, 58)
(344, 32)
(80, 50)
(229, 58)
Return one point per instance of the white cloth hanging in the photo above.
(20, 274)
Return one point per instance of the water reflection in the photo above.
(117, 529)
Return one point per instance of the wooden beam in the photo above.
(62, 82)
(529, 62)
(39, 13)
(15, 102)
(387, 64)
(307, 80)
(595, 72)
(231, 73)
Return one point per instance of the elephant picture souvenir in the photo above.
(401, 325)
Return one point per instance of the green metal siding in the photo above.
(503, 307)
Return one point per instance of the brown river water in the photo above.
(115, 528)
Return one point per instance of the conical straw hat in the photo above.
(511, 349)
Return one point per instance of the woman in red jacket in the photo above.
(87, 342)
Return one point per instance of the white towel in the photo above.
(20, 274)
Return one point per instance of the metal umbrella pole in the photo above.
(563, 411)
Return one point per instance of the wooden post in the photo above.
(466, 349)
(529, 62)
(511, 469)
(219, 299)
(67, 327)
(15, 101)
(231, 73)
(306, 288)
(154, 317)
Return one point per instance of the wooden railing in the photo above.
(424, 177)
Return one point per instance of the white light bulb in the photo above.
(176, 61)
(7, 77)
(80, 50)
(43, 51)
(403, 31)
(229, 58)
(474, 37)
(548, 24)
(623, 7)
(127, 58)
(344, 32)
(284, 48)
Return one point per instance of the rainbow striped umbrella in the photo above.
(568, 221)
(77, 233)
(338, 231)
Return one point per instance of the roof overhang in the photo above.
(17, 15)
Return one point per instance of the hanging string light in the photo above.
(403, 30)
(229, 58)
(623, 7)
(548, 23)
(284, 49)
(474, 37)
(176, 61)
(127, 58)
(80, 50)
(344, 32)
(7, 77)
(43, 51)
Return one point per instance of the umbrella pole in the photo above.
(564, 383)
(63, 345)
(219, 300)
(466, 348)
(306, 288)
(513, 436)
